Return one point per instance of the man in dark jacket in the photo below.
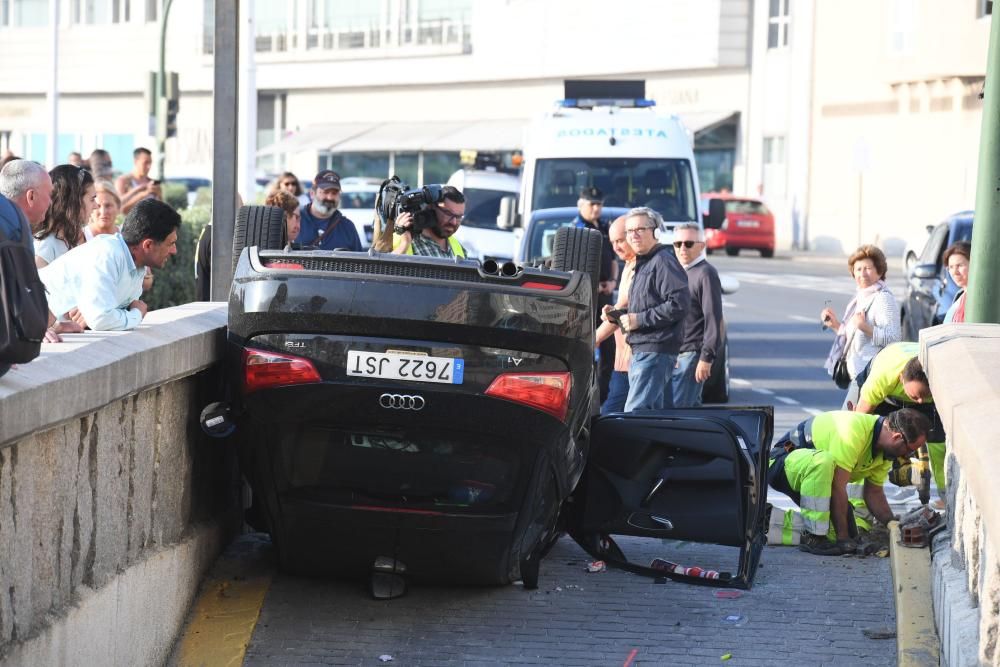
(658, 302)
(703, 325)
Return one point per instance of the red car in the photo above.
(734, 223)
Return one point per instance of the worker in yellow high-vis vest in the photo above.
(895, 379)
(814, 462)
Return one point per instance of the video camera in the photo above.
(395, 198)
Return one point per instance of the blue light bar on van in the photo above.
(587, 103)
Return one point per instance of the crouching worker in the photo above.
(814, 463)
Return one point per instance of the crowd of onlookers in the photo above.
(95, 241)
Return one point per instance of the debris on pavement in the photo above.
(735, 619)
(385, 657)
(726, 656)
(597, 566)
(728, 594)
(881, 632)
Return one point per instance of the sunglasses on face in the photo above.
(686, 244)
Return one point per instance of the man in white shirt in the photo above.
(98, 284)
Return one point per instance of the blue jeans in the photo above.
(617, 393)
(649, 381)
(687, 392)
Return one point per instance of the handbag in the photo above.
(841, 376)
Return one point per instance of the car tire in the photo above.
(261, 226)
(716, 388)
(732, 252)
(767, 252)
(579, 249)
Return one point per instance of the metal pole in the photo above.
(247, 115)
(161, 95)
(52, 157)
(224, 154)
(983, 300)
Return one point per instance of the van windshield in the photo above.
(665, 185)
(482, 207)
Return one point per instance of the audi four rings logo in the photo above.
(401, 402)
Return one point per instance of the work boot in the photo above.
(819, 545)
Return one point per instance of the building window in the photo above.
(984, 8)
(24, 13)
(777, 24)
(774, 166)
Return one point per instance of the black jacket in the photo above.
(660, 298)
(703, 325)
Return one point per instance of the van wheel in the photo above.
(767, 252)
(732, 252)
(579, 249)
(261, 226)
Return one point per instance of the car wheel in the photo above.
(732, 252)
(709, 251)
(717, 385)
(261, 226)
(767, 252)
(579, 249)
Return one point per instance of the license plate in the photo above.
(747, 223)
(409, 367)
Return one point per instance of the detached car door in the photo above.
(697, 475)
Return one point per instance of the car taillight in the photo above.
(277, 264)
(262, 369)
(548, 392)
(539, 285)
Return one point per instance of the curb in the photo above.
(917, 643)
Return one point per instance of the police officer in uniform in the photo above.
(589, 207)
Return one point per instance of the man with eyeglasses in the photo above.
(323, 226)
(814, 463)
(703, 324)
(437, 240)
(589, 207)
(658, 300)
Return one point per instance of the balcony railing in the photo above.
(434, 36)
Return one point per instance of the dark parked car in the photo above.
(438, 418)
(537, 247)
(930, 289)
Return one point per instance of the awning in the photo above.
(704, 121)
(409, 137)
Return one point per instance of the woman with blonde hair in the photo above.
(870, 321)
(104, 218)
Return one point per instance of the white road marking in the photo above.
(802, 318)
(761, 390)
(787, 401)
(812, 411)
(739, 381)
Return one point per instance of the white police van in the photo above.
(606, 134)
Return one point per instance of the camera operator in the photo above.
(436, 238)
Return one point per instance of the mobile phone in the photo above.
(615, 315)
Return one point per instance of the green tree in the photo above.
(174, 284)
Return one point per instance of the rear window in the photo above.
(482, 207)
(746, 207)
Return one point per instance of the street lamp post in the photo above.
(161, 93)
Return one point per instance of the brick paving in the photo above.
(802, 610)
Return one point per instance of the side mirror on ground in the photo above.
(924, 271)
(716, 214)
(507, 217)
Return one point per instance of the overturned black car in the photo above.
(439, 417)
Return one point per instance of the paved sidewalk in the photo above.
(803, 610)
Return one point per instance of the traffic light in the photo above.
(173, 95)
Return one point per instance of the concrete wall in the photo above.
(112, 502)
(962, 363)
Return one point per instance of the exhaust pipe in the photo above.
(490, 267)
(510, 269)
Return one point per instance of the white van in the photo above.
(483, 190)
(636, 156)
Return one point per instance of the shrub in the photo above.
(174, 284)
(176, 195)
